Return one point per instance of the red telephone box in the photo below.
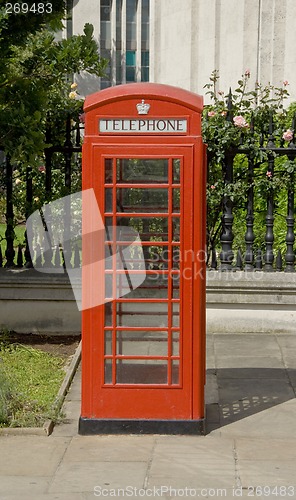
(143, 347)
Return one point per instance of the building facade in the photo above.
(180, 42)
(122, 30)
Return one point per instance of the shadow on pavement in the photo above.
(242, 392)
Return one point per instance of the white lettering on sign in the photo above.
(144, 126)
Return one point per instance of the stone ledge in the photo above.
(236, 302)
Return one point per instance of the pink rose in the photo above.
(288, 135)
(285, 83)
(211, 113)
(268, 174)
(248, 73)
(41, 169)
(240, 122)
(213, 187)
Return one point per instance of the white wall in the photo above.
(191, 38)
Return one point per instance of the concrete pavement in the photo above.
(250, 441)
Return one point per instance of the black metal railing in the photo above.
(225, 251)
(221, 252)
(69, 165)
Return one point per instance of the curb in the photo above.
(48, 425)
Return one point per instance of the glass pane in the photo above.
(144, 74)
(142, 343)
(176, 341)
(175, 372)
(108, 313)
(149, 228)
(156, 257)
(176, 314)
(176, 229)
(108, 286)
(142, 200)
(145, 58)
(175, 285)
(145, 11)
(176, 170)
(105, 30)
(133, 371)
(108, 342)
(142, 314)
(131, 10)
(108, 228)
(108, 200)
(105, 10)
(142, 171)
(108, 371)
(108, 171)
(176, 258)
(176, 200)
(130, 74)
(125, 283)
(131, 34)
(108, 259)
(154, 287)
(131, 58)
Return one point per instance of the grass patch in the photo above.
(19, 237)
(29, 383)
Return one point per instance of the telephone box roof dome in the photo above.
(156, 91)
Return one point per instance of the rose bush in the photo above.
(238, 127)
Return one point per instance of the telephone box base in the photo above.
(93, 426)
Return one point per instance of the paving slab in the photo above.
(289, 359)
(261, 392)
(278, 422)
(253, 373)
(68, 428)
(192, 461)
(252, 362)
(23, 485)
(240, 345)
(46, 496)
(31, 455)
(211, 389)
(85, 476)
(266, 449)
(267, 473)
(110, 448)
(286, 340)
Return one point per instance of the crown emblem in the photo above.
(143, 108)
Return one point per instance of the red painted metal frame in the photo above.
(148, 401)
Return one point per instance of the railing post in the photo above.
(226, 254)
(68, 155)
(269, 236)
(250, 236)
(290, 236)
(48, 158)
(67, 203)
(29, 201)
(9, 233)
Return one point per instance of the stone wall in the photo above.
(236, 302)
(190, 38)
